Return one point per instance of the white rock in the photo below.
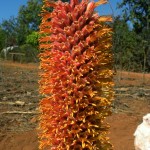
(20, 103)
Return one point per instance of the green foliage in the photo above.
(29, 15)
(32, 39)
(31, 53)
(2, 39)
(138, 12)
(127, 47)
(28, 19)
(10, 29)
(18, 30)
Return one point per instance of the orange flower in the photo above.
(76, 76)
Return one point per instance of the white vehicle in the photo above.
(6, 50)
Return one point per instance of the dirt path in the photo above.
(121, 135)
(18, 82)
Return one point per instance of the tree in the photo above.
(124, 44)
(10, 28)
(138, 13)
(29, 18)
(29, 14)
(2, 38)
(32, 39)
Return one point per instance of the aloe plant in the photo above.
(76, 76)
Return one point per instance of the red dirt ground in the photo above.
(19, 82)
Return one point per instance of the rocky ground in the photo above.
(19, 102)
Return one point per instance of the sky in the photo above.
(109, 8)
(10, 8)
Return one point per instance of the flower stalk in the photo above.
(76, 76)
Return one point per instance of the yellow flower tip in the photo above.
(100, 2)
(105, 19)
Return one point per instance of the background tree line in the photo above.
(131, 38)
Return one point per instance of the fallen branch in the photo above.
(18, 103)
(121, 94)
(19, 112)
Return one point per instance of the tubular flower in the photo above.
(76, 77)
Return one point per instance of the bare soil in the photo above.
(19, 100)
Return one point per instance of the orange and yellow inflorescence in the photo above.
(76, 76)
